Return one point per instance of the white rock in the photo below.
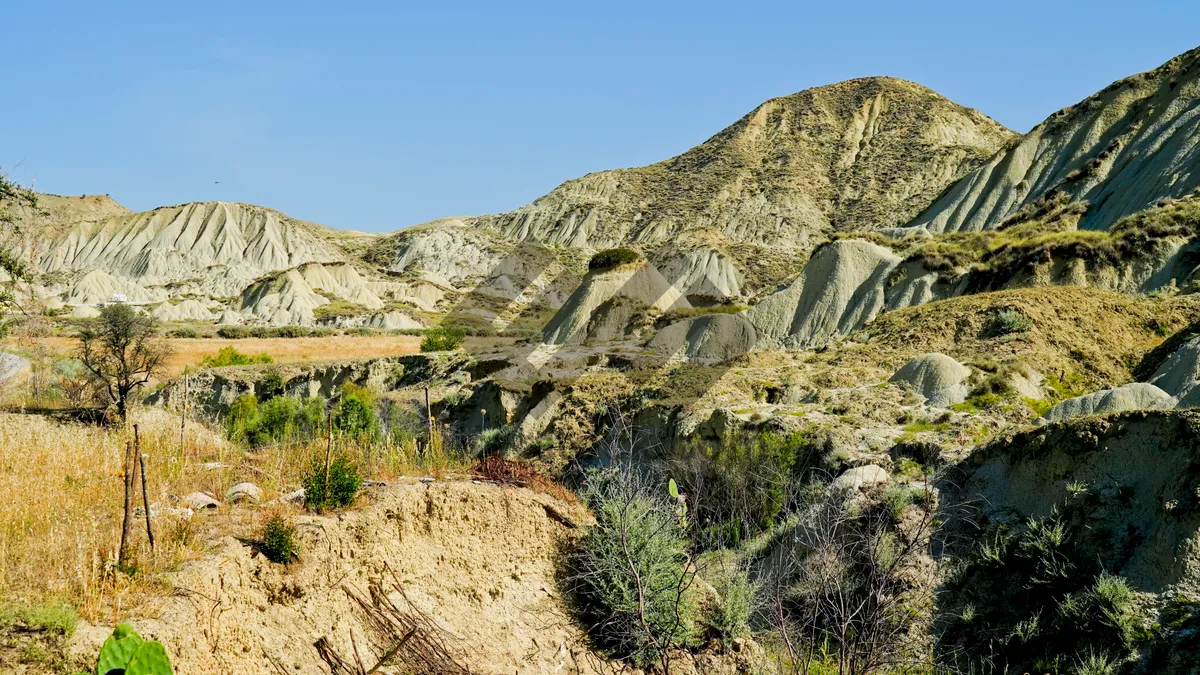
(199, 501)
(862, 476)
(243, 492)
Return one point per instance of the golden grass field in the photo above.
(60, 522)
(189, 351)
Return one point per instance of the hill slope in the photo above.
(866, 153)
(1121, 150)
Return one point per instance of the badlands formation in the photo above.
(863, 288)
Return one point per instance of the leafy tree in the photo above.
(120, 349)
(354, 415)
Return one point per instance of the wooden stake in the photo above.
(127, 523)
(183, 417)
(428, 419)
(328, 454)
(141, 460)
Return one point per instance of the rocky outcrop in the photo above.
(937, 378)
(1179, 375)
(1121, 150)
(212, 391)
(1133, 396)
(613, 303)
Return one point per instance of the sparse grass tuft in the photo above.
(53, 617)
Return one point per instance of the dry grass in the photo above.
(60, 527)
(189, 351)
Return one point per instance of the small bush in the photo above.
(279, 543)
(737, 595)
(344, 483)
(233, 332)
(443, 339)
(270, 387)
(495, 440)
(613, 257)
(354, 415)
(278, 420)
(738, 487)
(1008, 322)
(229, 356)
(633, 574)
(185, 332)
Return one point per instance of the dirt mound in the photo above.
(479, 559)
(939, 379)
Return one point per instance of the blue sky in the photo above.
(380, 115)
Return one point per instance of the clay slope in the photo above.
(219, 246)
(479, 560)
(865, 153)
(1121, 151)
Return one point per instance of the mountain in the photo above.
(1121, 151)
(862, 154)
(737, 215)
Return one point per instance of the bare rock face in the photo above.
(1179, 375)
(224, 245)
(1121, 150)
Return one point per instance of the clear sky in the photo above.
(379, 115)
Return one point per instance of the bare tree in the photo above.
(120, 349)
(851, 578)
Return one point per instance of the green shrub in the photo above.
(613, 257)
(354, 415)
(443, 339)
(185, 332)
(632, 573)
(739, 487)
(270, 386)
(229, 356)
(729, 616)
(279, 543)
(344, 482)
(289, 332)
(1008, 322)
(233, 332)
(278, 420)
(495, 440)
